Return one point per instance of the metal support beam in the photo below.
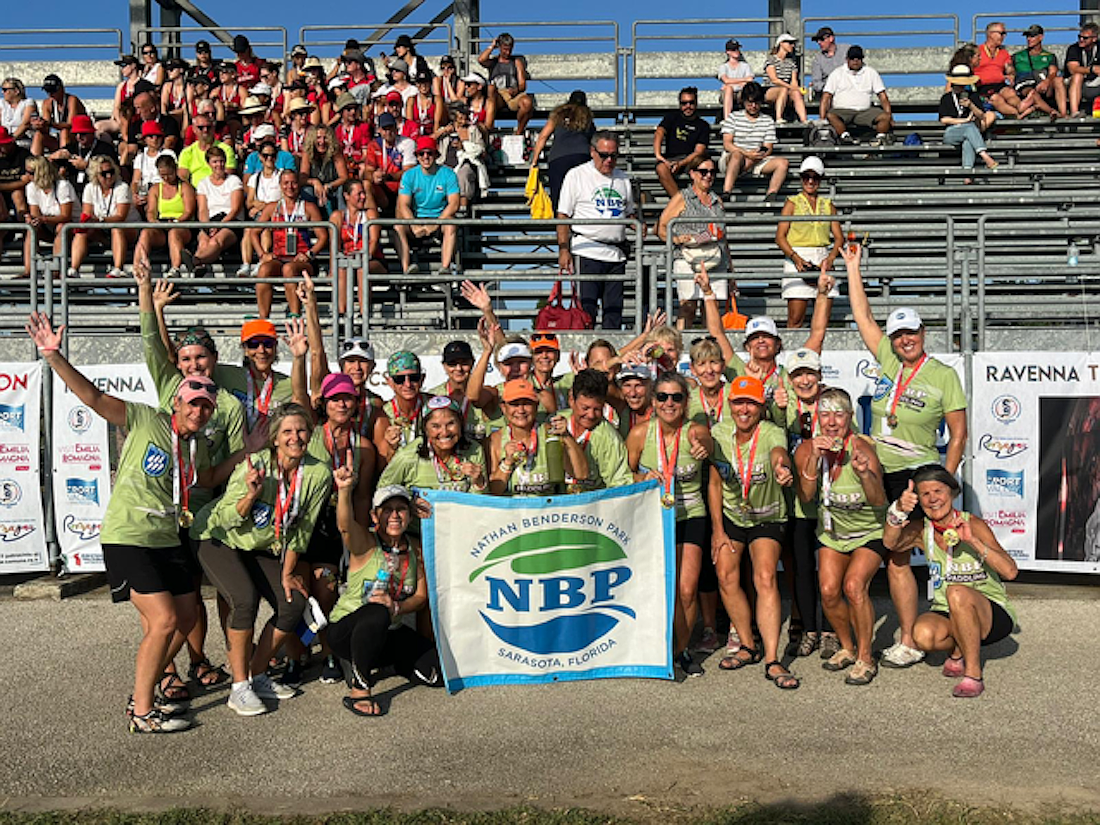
(426, 31)
(141, 17)
(1090, 11)
(467, 13)
(204, 20)
(791, 12)
(170, 17)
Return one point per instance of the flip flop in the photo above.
(172, 687)
(350, 702)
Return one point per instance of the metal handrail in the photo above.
(304, 31)
(214, 35)
(34, 46)
(1081, 14)
(953, 31)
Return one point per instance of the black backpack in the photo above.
(820, 133)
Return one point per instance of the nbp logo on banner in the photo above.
(582, 600)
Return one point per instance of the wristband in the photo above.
(709, 296)
(44, 350)
(895, 517)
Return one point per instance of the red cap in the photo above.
(426, 143)
(5, 137)
(82, 125)
(394, 96)
(150, 128)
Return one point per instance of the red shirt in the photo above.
(991, 70)
(248, 74)
(353, 141)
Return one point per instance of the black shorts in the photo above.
(896, 484)
(987, 90)
(774, 530)
(878, 547)
(325, 545)
(1001, 628)
(147, 570)
(708, 575)
(693, 531)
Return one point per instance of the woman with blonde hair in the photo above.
(781, 83)
(50, 200)
(16, 111)
(107, 200)
(571, 126)
(324, 167)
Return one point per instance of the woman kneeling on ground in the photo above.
(966, 564)
(385, 582)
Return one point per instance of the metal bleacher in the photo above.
(974, 257)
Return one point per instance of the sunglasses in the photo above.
(411, 377)
(700, 340)
(688, 102)
(707, 173)
(662, 397)
(607, 155)
(7, 88)
(107, 173)
(396, 103)
(148, 51)
(266, 155)
(196, 385)
(544, 338)
(425, 153)
(806, 425)
(202, 126)
(810, 176)
(260, 343)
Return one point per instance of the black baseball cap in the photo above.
(203, 46)
(241, 44)
(51, 83)
(457, 351)
(126, 59)
(855, 53)
(733, 46)
(822, 33)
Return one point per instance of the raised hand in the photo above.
(703, 279)
(861, 462)
(296, 338)
(164, 293)
(825, 283)
(306, 289)
(907, 502)
(577, 362)
(476, 294)
(393, 435)
(851, 253)
(254, 478)
(657, 319)
(343, 477)
(39, 329)
(698, 451)
(781, 397)
(822, 444)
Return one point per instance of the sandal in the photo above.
(738, 661)
(352, 703)
(808, 644)
(794, 643)
(954, 667)
(173, 688)
(783, 681)
(969, 688)
(840, 660)
(206, 674)
(863, 673)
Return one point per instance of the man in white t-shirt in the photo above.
(592, 191)
(855, 95)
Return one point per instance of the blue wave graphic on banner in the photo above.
(564, 634)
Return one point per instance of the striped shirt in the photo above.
(784, 69)
(749, 134)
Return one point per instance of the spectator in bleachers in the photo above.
(50, 200)
(680, 139)
(1083, 70)
(388, 157)
(423, 108)
(733, 75)
(849, 100)
(995, 72)
(297, 125)
(208, 108)
(781, 84)
(571, 126)
(170, 201)
(204, 62)
(749, 138)
(810, 247)
(145, 172)
(352, 135)
(395, 105)
(316, 90)
(13, 174)
(269, 75)
(448, 81)
(124, 93)
(701, 243)
(508, 79)
(173, 94)
(399, 79)
(832, 56)
(107, 200)
(151, 69)
(405, 49)
(597, 190)
(193, 165)
(359, 79)
(145, 111)
(200, 101)
(220, 199)
(254, 114)
(351, 226)
(247, 65)
(1038, 81)
(261, 136)
(262, 189)
(428, 190)
(323, 168)
(75, 156)
(463, 148)
(482, 106)
(59, 108)
(298, 57)
(965, 119)
(16, 111)
(230, 93)
(287, 253)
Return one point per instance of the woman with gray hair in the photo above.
(108, 206)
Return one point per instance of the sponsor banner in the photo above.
(530, 590)
(22, 537)
(83, 446)
(1035, 443)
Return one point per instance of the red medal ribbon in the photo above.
(714, 417)
(900, 386)
(745, 472)
(668, 466)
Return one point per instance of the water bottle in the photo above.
(1073, 254)
(555, 468)
(381, 582)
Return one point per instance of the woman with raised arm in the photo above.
(440, 457)
(748, 512)
(914, 394)
(163, 458)
(458, 363)
(841, 471)
(252, 539)
(386, 584)
(673, 450)
(966, 565)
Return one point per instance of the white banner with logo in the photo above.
(22, 537)
(529, 590)
(1035, 438)
(82, 454)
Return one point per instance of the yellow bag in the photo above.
(537, 199)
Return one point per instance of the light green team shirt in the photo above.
(935, 391)
(235, 379)
(628, 419)
(688, 480)
(479, 424)
(562, 385)
(964, 567)
(141, 510)
(224, 433)
(256, 531)
(767, 500)
(700, 411)
(854, 520)
(408, 469)
(360, 582)
(802, 509)
(606, 453)
(772, 411)
(531, 477)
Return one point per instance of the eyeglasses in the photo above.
(411, 377)
(147, 51)
(688, 102)
(260, 343)
(709, 172)
(810, 176)
(607, 155)
(426, 152)
(676, 397)
(806, 424)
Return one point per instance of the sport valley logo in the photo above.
(569, 575)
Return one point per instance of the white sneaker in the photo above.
(899, 655)
(156, 722)
(185, 272)
(244, 270)
(244, 702)
(172, 273)
(267, 689)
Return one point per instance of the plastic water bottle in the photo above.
(1073, 254)
(381, 582)
(555, 468)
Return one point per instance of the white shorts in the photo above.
(799, 288)
(756, 171)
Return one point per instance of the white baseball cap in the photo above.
(761, 324)
(384, 494)
(261, 89)
(812, 164)
(642, 372)
(357, 348)
(264, 130)
(785, 38)
(474, 77)
(803, 359)
(904, 319)
(516, 350)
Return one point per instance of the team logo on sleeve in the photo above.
(155, 462)
(261, 514)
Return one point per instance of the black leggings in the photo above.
(365, 639)
(804, 548)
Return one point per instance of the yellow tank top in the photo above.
(170, 208)
(810, 233)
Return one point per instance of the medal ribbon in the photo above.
(287, 503)
(813, 417)
(330, 445)
(638, 419)
(667, 467)
(745, 472)
(531, 450)
(183, 474)
(581, 439)
(900, 386)
(714, 417)
(444, 471)
(830, 470)
(404, 421)
(257, 406)
(365, 415)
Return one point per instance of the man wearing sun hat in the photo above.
(427, 191)
(405, 376)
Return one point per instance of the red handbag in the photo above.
(556, 315)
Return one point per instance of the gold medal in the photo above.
(838, 445)
(186, 518)
(668, 501)
(950, 537)
(745, 509)
(892, 420)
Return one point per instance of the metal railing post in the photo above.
(639, 280)
(981, 283)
